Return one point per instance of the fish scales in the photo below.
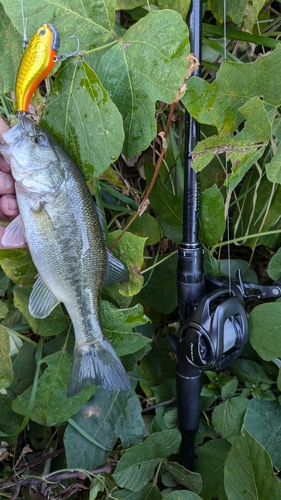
(60, 222)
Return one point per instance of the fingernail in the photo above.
(12, 203)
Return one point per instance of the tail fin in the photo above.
(97, 366)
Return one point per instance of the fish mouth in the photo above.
(24, 128)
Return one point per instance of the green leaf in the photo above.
(167, 206)
(153, 51)
(255, 193)
(93, 22)
(191, 480)
(51, 405)
(158, 365)
(183, 495)
(24, 367)
(18, 266)
(7, 416)
(247, 370)
(84, 120)
(106, 417)
(263, 421)
(3, 310)
(118, 325)
(56, 323)
(164, 392)
(147, 227)
(273, 171)
(227, 418)
(212, 221)
(265, 330)
(130, 251)
(229, 388)
(160, 289)
(218, 103)
(181, 6)
(11, 52)
(242, 12)
(274, 266)
(6, 368)
(150, 492)
(137, 466)
(210, 464)
(248, 471)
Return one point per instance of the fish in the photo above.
(63, 229)
(36, 63)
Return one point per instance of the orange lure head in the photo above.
(37, 62)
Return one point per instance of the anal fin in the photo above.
(41, 301)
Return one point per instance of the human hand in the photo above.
(8, 203)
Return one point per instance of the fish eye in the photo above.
(39, 140)
(42, 32)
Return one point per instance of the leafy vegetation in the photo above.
(114, 108)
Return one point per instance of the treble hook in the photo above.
(63, 57)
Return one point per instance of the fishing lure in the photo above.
(37, 62)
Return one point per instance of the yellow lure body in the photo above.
(36, 64)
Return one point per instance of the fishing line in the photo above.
(228, 192)
(24, 26)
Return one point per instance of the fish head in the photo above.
(34, 159)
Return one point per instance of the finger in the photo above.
(2, 231)
(3, 128)
(7, 183)
(4, 166)
(9, 206)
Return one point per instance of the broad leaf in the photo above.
(190, 480)
(84, 120)
(212, 218)
(129, 250)
(136, 467)
(11, 52)
(6, 368)
(242, 12)
(227, 417)
(247, 370)
(51, 405)
(18, 265)
(153, 51)
(274, 266)
(218, 103)
(183, 495)
(24, 367)
(150, 492)
(118, 325)
(210, 464)
(265, 330)
(56, 323)
(160, 288)
(248, 471)
(106, 417)
(93, 21)
(263, 421)
(167, 206)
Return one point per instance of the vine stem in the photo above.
(193, 64)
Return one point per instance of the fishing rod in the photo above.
(213, 318)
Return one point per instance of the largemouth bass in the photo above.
(63, 229)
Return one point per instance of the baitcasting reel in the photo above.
(218, 330)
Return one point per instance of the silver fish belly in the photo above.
(59, 221)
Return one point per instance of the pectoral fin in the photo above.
(41, 301)
(14, 235)
(115, 271)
